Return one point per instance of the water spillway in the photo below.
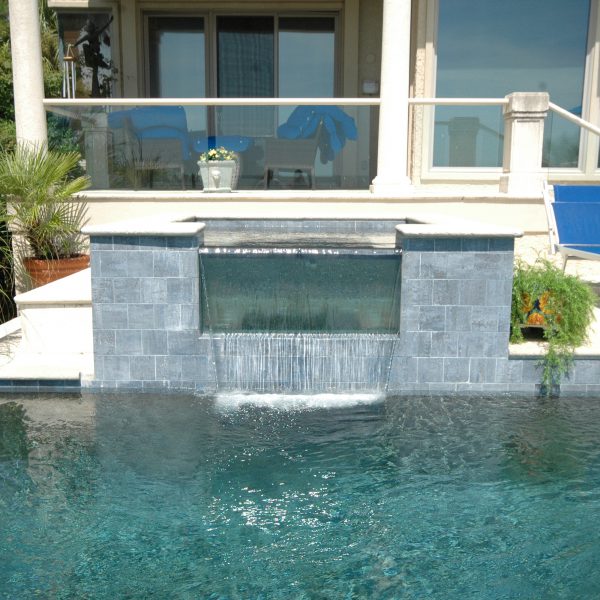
(303, 306)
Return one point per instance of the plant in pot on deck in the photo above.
(219, 169)
(43, 211)
(560, 305)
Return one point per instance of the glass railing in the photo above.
(278, 144)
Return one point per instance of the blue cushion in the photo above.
(577, 223)
(577, 193)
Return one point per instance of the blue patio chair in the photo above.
(576, 193)
(574, 226)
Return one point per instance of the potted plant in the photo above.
(41, 208)
(218, 169)
(559, 305)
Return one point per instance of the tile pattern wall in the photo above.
(455, 308)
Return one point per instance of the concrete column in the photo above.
(523, 143)
(28, 79)
(392, 162)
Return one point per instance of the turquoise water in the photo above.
(182, 497)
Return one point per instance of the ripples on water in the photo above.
(315, 497)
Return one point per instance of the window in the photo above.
(488, 49)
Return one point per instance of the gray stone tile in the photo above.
(141, 316)
(152, 242)
(183, 242)
(509, 371)
(190, 316)
(116, 368)
(498, 292)
(128, 342)
(169, 368)
(182, 342)
(142, 367)
(417, 292)
(447, 245)
(456, 370)
(102, 290)
(153, 290)
(418, 245)
(458, 318)
(101, 242)
(476, 244)
(140, 264)
(430, 370)
(126, 243)
(409, 317)
(104, 342)
(484, 319)
(166, 264)
(483, 345)
(411, 266)
(444, 344)
(196, 367)
(472, 292)
(189, 264)
(435, 265)
(446, 291)
(460, 266)
(482, 370)
(113, 264)
(111, 316)
(532, 371)
(126, 290)
(403, 371)
(586, 371)
(182, 290)
(502, 244)
(154, 342)
(432, 318)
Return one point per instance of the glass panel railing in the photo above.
(283, 146)
(561, 142)
(468, 136)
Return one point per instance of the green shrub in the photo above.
(563, 304)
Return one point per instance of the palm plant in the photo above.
(40, 204)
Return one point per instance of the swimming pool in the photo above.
(319, 497)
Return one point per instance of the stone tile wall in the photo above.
(454, 323)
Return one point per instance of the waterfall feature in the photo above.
(303, 362)
(300, 320)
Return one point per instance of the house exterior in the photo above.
(461, 107)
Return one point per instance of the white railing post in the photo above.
(524, 116)
(28, 78)
(392, 160)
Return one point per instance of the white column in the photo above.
(523, 143)
(392, 162)
(28, 79)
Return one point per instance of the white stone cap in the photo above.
(428, 226)
(73, 289)
(167, 225)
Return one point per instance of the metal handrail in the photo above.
(574, 118)
(75, 102)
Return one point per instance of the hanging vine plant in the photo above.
(561, 305)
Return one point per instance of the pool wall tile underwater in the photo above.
(455, 297)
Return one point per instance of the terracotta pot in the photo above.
(43, 271)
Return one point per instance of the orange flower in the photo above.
(536, 318)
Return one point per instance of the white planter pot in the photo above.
(218, 175)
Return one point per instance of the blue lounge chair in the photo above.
(576, 193)
(574, 222)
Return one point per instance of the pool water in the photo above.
(322, 497)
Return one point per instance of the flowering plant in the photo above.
(220, 153)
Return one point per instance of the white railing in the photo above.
(569, 116)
